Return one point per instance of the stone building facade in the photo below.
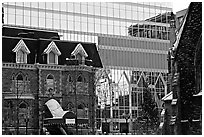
(183, 105)
(36, 68)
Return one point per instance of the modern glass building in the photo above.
(132, 40)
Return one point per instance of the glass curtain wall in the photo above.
(84, 21)
(132, 40)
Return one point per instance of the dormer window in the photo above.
(80, 54)
(52, 53)
(21, 51)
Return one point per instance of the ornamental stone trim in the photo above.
(49, 67)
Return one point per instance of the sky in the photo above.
(180, 5)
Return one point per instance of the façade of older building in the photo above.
(183, 103)
(37, 66)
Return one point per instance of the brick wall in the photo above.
(37, 87)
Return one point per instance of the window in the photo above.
(23, 114)
(50, 84)
(51, 58)
(79, 79)
(69, 86)
(21, 51)
(19, 84)
(20, 56)
(22, 106)
(80, 54)
(52, 53)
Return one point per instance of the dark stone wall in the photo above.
(186, 67)
(38, 88)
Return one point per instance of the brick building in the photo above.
(37, 66)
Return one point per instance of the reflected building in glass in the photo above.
(132, 40)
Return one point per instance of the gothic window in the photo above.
(141, 82)
(19, 84)
(50, 83)
(79, 79)
(52, 53)
(82, 111)
(22, 106)
(23, 113)
(80, 106)
(159, 89)
(21, 51)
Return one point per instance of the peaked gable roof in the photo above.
(52, 47)
(79, 49)
(21, 45)
(39, 46)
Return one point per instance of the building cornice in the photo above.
(49, 67)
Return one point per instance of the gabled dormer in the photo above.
(79, 53)
(21, 51)
(52, 53)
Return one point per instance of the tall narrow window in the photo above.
(51, 58)
(50, 84)
(69, 87)
(23, 114)
(20, 56)
(20, 84)
(79, 79)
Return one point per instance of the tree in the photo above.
(150, 109)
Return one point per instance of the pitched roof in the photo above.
(28, 33)
(39, 45)
(79, 49)
(21, 44)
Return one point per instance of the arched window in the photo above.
(19, 77)
(23, 113)
(23, 105)
(82, 110)
(79, 79)
(80, 106)
(20, 84)
(69, 86)
(50, 83)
